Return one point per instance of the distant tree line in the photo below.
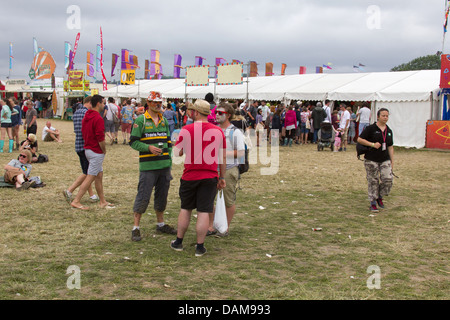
(430, 62)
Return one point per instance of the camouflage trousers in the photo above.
(379, 178)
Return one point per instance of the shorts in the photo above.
(231, 180)
(110, 126)
(83, 162)
(303, 128)
(95, 162)
(126, 127)
(48, 137)
(11, 176)
(344, 135)
(32, 129)
(198, 194)
(158, 179)
(7, 125)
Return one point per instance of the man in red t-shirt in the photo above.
(93, 130)
(204, 145)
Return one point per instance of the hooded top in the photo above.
(93, 130)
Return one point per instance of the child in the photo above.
(337, 139)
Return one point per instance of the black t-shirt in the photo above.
(374, 134)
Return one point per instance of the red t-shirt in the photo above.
(201, 142)
(93, 130)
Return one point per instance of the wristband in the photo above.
(221, 178)
(373, 144)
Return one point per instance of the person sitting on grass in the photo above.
(50, 134)
(30, 143)
(18, 171)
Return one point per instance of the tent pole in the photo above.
(248, 72)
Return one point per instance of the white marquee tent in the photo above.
(412, 97)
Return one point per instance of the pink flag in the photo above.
(105, 83)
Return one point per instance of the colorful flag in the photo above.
(319, 69)
(269, 69)
(302, 70)
(134, 64)
(253, 69)
(147, 69)
(177, 66)
(220, 61)
(327, 66)
(97, 59)
(10, 55)
(199, 61)
(115, 57)
(75, 47)
(236, 61)
(90, 64)
(105, 83)
(35, 47)
(283, 69)
(446, 19)
(155, 66)
(67, 50)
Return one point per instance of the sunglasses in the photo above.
(220, 113)
(22, 156)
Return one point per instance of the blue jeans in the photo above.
(361, 128)
(316, 133)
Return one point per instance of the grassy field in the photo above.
(271, 253)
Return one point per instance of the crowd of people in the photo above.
(209, 166)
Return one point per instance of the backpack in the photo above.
(361, 150)
(42, 158)
(243, 167)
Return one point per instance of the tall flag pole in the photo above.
(447, 8)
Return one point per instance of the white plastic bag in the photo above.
(220, 214)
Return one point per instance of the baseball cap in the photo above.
(201, 106)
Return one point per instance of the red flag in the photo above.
(105, 83)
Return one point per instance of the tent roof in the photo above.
(377, 86)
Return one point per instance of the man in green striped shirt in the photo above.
(151, 137)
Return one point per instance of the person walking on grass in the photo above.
(6, 125)
(93, 130)
(235, 153)
(79, 149)
(379, 160)
(150, 136)
(204, 145)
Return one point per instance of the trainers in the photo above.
(176, 247)
(166, 229)
(373, 208)
(380, 203)
(221, 235)
(136, 235)
(24, 186)
(199, 252)
(68, 196)
(94, 198)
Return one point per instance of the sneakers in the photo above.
(26, 185)
(166, 229)
(199, 251)
(380, 203)
(221, 235)
(373, 208)
(176, 247)
(68, 196)
(136, 235)
(94, 198)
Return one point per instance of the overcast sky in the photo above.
(378, 34)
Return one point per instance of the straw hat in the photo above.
(201, 106)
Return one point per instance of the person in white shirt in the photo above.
(327, 109)
(50, 134)
(363, 116)
(265, 110)
(344, 124)
(110, 128)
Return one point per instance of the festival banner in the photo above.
(236, 61)
(10, 55)
(98, 58)
(177, 66)
(199, 60)
(67, 50)
(90, 64)
(43, 66)
(230, 74)
(319, 69)
(115, 57)
(197, 76)
(253, 69)
(445, 71)
(155, 66)
(35, 47)
(76, 80)
(147, 69)
(127, 76)
(125, 61)
(283, 69)
(269, 69)
(302, 70)
(105, 83)
(75, 47)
